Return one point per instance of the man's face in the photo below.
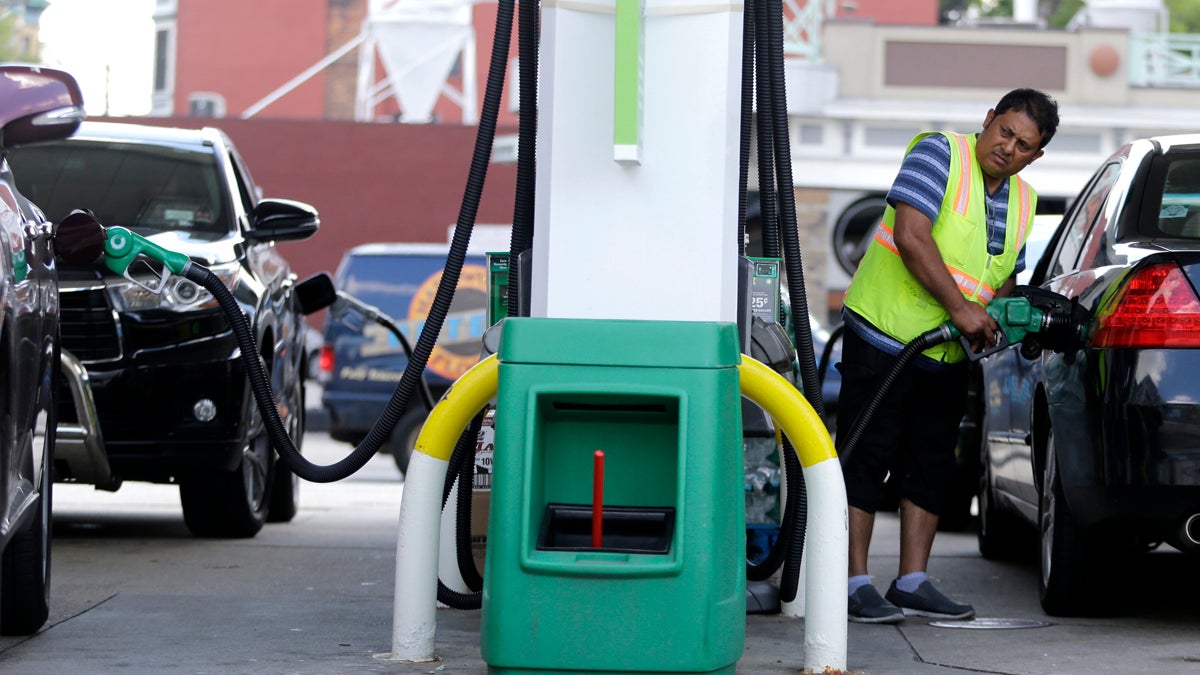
(1007, 144)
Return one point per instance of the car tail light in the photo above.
(1156, 308)
(326, 360)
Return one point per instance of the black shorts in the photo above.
(913, 432)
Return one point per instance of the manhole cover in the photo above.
(991, 624)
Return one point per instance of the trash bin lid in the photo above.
(620, 342)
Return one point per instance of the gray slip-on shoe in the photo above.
(928, 601)
(868, 606)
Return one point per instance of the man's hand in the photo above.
(973, 321)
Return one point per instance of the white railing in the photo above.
(1164, 60)
(802, 20)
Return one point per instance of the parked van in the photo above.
(361, 365)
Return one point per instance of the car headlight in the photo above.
(179, 294)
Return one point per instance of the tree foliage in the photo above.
(1184, 14)
(11, 47)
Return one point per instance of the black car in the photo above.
(36, 104)
(157, 391)
(1098, 448)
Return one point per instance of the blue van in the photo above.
(362, 364)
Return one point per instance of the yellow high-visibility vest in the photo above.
(885, 293)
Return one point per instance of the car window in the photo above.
(1075, 238)
(148, 189)
(1179, 208)
(244, 182)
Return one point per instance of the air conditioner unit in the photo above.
(206, 104)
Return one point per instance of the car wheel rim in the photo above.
(985, 499)
(295, 427)
(1047, 511)
(254, 471)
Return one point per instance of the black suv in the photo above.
(157, 391)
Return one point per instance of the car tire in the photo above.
(1000, 533)
(404, 437)
(285, 489)
(25, 564)
(232, 504)
(1078, 577)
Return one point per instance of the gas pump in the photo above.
(651, 372)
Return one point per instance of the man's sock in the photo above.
(858, 582)
(909, 582)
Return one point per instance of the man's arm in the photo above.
(1007, 288)
(914, 239)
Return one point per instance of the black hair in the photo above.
(1042, 109)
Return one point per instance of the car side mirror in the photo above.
(283, 220)
(41, 104)
(79, 239)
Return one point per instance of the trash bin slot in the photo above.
(627, 529)
(576, 406)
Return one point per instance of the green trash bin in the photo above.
(665, 590)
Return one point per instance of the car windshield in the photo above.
(1179, 212)
(145, 188)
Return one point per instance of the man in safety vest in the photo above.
(951, 240)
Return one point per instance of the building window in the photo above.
(206, 104)
(162, 41)
(162, 100)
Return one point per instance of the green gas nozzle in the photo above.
(122, 246)
(1017, 318)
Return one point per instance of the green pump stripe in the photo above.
(627, 80)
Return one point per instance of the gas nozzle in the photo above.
(81, 238)
(1033, 316)
(123, 247)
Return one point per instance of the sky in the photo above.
(108, 45)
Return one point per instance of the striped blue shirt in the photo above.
(921, 184)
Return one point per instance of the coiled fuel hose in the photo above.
(930, 338)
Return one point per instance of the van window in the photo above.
(404, 286)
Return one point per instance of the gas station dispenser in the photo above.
(617, 515)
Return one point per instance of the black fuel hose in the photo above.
(827, 352)
(459, 467)
(746, 124)
(801, 328)
(929, 338)
(768, 210)
(523, 204)
(386, 322)
(462, 521)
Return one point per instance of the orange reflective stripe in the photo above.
(970, 286)
(962, 191)
(1025, 199)
(886, 237)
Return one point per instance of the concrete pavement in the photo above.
(134, 593)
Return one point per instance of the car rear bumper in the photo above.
(1154, 513)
